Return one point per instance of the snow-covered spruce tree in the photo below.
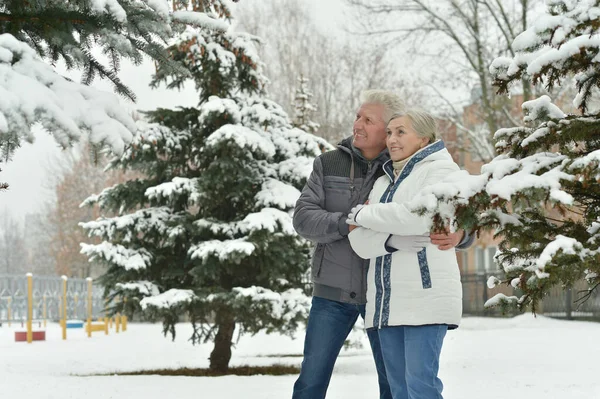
(207, 233)
(89, 35)
(303, 108)
(542, 193)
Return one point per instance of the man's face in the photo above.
(369, 128)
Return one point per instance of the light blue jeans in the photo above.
(329, 323)
(412, 359)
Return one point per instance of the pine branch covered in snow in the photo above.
(208, 222)
(33, 92)
(71, 31)
(542, 193)
(36, 34)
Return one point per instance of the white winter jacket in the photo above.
(407, 288)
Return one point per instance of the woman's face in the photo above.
(402, 140)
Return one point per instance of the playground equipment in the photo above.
(34, 299)
(74, 324)
(21, 336)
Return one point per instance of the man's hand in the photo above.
(446, 240)
(352, 227)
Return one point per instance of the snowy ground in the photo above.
(524, 357)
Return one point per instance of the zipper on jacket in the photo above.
(351, 175)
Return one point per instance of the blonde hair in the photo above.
(423, 122)
(392, 104)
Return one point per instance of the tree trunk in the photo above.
(221, 354)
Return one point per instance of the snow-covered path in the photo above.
(524, 357)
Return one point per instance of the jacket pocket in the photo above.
(337, 185)
(337, 196)
(317, 261)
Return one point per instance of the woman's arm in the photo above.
(368, 243)
(371, 244)
(398, 218)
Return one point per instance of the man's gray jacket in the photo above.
(340, 180)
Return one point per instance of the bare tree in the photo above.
(80, 174)
(467, 36)
(38, 234)
(337, 66)
(13, 256)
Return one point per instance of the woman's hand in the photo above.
(353, 224)
(352, 215)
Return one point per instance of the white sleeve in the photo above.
(397, 218)
(367, 243)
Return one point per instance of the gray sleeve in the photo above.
(466, 241)
(311, 220)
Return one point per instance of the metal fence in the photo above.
(561, 303)
(47, 298)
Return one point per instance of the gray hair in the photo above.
(392, 104)
(423, 122)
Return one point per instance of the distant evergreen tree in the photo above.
(542, 193)
(207, 232)
(303, 108)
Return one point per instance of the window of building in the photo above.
(479, 259)
(491, 265)
(464, 261)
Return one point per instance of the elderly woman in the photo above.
(414, 295)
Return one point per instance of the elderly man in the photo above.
(341, 179)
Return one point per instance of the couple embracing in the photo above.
(376, 259)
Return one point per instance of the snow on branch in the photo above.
(177, 187)
(262, 114)
(200, 20)
(220, 106)
(511, 176)
(285, 305)
(223, 250)
(243, 138)
(564, 41)
(269, 219)
(295, 169)
(143, 287)
(567, 245)
(140, 222)
(168, 299)
(161, 7)
(111, 7)
(31, 91)
(277, 193)
(540, 110)
(501, 300)
(291, 142)
(129, 259)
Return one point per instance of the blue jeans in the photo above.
(412, 360)
(329, 323)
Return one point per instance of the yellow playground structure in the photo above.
(35, 299)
